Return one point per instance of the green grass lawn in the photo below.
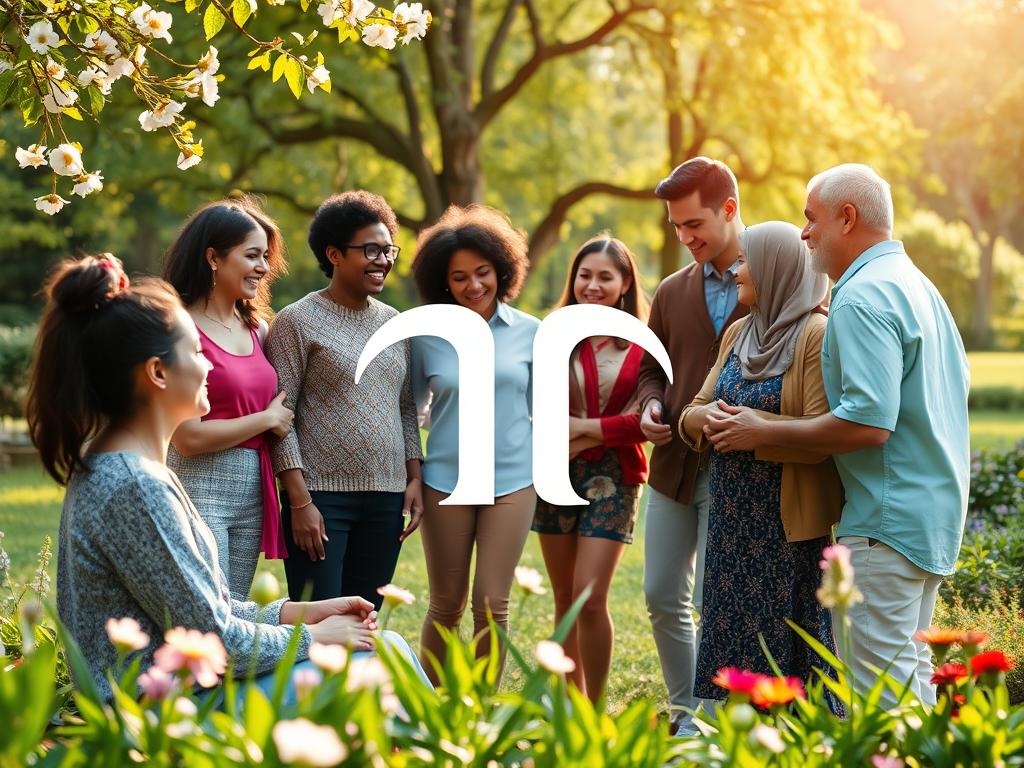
(30, 509)
(997, 369)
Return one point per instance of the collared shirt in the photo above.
(892, 358)
(435, 379)
(720, 293)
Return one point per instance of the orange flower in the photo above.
(974, 638)
(776, 691)
(738, 681)
(940, 636)
(949, 674)
(991, 662)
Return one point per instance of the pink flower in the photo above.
(837, 587)
(201, 654)
(126, 634)
(156, 684)
(738, 681)
(330, 658)
(305, 681)
(884, 761)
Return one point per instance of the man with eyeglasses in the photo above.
(351, 465)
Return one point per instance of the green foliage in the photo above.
(15, 362)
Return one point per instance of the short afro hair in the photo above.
(339, 217)
(477, 228)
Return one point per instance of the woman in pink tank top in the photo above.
(222, 264)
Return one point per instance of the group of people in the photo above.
(174, 410)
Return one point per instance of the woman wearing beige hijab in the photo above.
(771, 509)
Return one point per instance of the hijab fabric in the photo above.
(788, 290)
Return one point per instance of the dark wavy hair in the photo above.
(712, 179)
(339, 217)
(222, 226)
(94, 332)
(478, 228)
(634, 300)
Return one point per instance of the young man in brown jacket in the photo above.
(691, 308)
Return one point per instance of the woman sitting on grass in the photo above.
(117, 370)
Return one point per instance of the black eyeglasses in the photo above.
(373, 251)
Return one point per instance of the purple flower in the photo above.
(1002, 510)
(976, 525)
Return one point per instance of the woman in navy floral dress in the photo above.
(770, 512)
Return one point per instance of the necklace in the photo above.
(225, 326)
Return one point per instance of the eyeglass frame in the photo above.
(380, 250)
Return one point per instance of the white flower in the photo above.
(318, 77)
(330, 658)
(329, 12)
(5, 66)
(54, 70)
(33, 156)
(358, 10)
(152, 23)
(305, 681)
(209, 64)
(66, 160)
(120, 67)
(126, 634)
(768, 738)
(405, 12)
(204, 85)
(529, 580)
(89, 183)
(102, 43)
(185, 707)
(304, 742)
(187, 158)
(551, 656)
(96, 77)
(41, 38)
(394, 594)
(50, 203)
(160, 117)
(368, 672)
(417, 27)
(58, 98)
(380, 36)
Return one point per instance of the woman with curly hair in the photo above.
(350, 469)
(582, 546)
(222, 264)
(474, 257)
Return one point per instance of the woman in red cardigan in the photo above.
(583, 545)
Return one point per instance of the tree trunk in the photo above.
(981, 326)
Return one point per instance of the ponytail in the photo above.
(95, 330)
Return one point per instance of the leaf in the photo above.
(73, 113)
(191, 5)
(260, 62)
(6, 81)
(31, 109)
(241, 10)
(96, 100)
(213, 21)
(279, 65)
(295, 76)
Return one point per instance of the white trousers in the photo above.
(899, 600)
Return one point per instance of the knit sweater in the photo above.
(346, 437)
(132, 545)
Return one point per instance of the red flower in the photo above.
(776, 691)
(739, 681)
(991, 662)
(949, 674)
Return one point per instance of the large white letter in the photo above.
(556, 338)
(474, 344)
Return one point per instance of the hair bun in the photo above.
(89, 284)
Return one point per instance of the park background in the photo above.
(565, 115)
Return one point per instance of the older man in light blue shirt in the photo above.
(896, 378)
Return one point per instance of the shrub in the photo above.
(996, 399)
(997, 485)
(15, 361)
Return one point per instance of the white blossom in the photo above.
(102, 43)
(54, 70)
(206, 86)
(551, 656)
(160, 117)
(50, 204)
(41, 38)
(5, 66)
(329, 12)
(34, 156)
(89, 183)
(416, 28)
(329, 658)
(152, 23)
(96, 77)
(66, 160)
(59, 98)
(120, 67)
(209, 64)
(358, 10)
(318, 77)
(186, 161)
(306, 743)
(529, 580)
(380, 36)
(768, 738)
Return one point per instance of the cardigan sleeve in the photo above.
(707, 391)
(621, 430)
(407, 407)
(815, 403)
(286, 350)
(651, 380)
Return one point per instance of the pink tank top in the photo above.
(240, 385)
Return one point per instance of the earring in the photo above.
(214, 277)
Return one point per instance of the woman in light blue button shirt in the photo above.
(474, 257)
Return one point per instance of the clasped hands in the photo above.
(348, 621)
(733, 427)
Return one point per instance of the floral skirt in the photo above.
(613, 506)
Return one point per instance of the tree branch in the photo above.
(494, 49)
(341, 127)
(490, 105)
(545, 235)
